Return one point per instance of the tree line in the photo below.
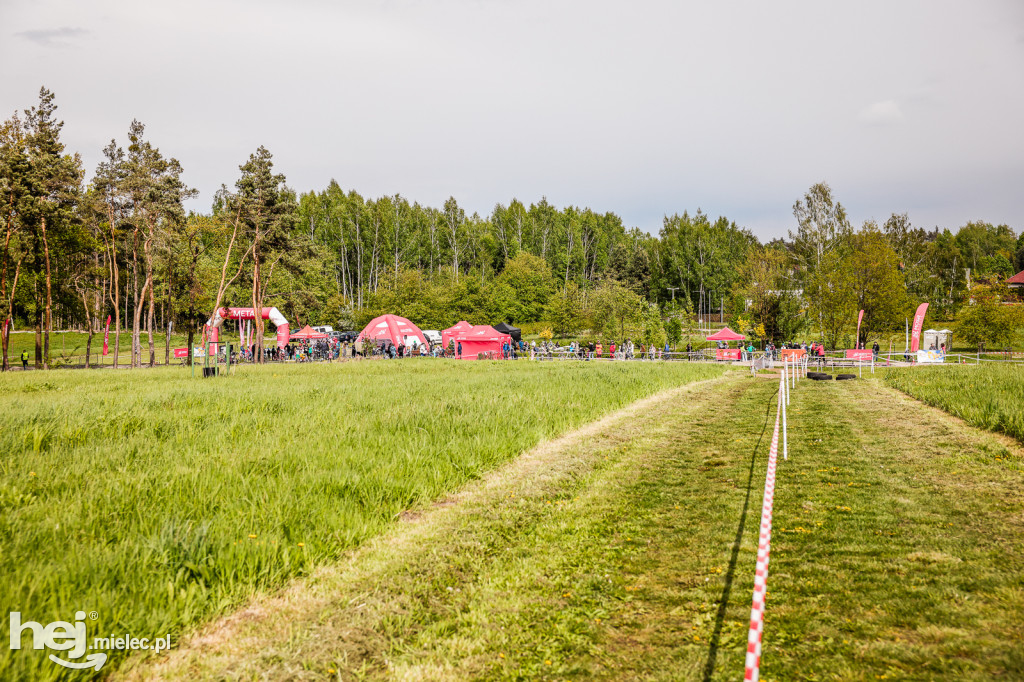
(121, 244)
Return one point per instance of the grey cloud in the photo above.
(53, 37)
(639, 108)
(879, 113)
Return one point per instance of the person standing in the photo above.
(459, 351)
(24, 359)
(875, 349)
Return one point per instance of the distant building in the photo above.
(1017, 281)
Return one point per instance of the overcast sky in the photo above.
(640, 108)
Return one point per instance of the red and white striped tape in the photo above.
(764, 545)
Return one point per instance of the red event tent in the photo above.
(479, 339)
(308, 332)
(456, 328)
(725, 334)
(397, 329)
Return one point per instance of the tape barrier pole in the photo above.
(753, 659)
(785, 440)
(786, 370)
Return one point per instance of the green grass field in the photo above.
(628, 553)
(159, 500)
(988, 396)
(68, 348)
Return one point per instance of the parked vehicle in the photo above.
(433, 336)
(324, 329)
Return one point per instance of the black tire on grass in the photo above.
(846, 377)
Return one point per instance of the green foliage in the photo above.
(701, 258)
(653, 327)
(766, 291)
(877, 284)
(821, 224)
(617, 312)
(674, 331)
(530, 284)
(833, 301)
(987, 321)
(336, 257)
(565, 311)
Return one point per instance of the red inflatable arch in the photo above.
(272, 314)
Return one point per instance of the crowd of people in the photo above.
(332, 349)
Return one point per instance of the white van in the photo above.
(433, 336)
(324, 329)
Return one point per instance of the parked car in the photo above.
(324, 329)
(433, 336)
(347, 337)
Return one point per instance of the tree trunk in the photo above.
(6, 332)
(359, 264)
(49, 299)
(137, 328)
(149, 322)
(256, 304)
(88, 319)
(39, 330)
(115, 292)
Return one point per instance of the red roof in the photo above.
(726, 335)
(308, 332)
(397, 329)
(1017, 279)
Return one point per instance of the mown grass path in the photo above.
(626, 551)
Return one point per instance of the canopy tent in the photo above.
(479, 339)
(307, 333)
(725, 334)
(514, 332)
(447, 334)
(393, 328)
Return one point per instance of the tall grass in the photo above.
(157, 500)
(987, 396)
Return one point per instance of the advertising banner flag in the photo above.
(915, 335)
(860, 318)
(106, 338)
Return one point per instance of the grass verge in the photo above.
(157, 500)
(988, 396)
